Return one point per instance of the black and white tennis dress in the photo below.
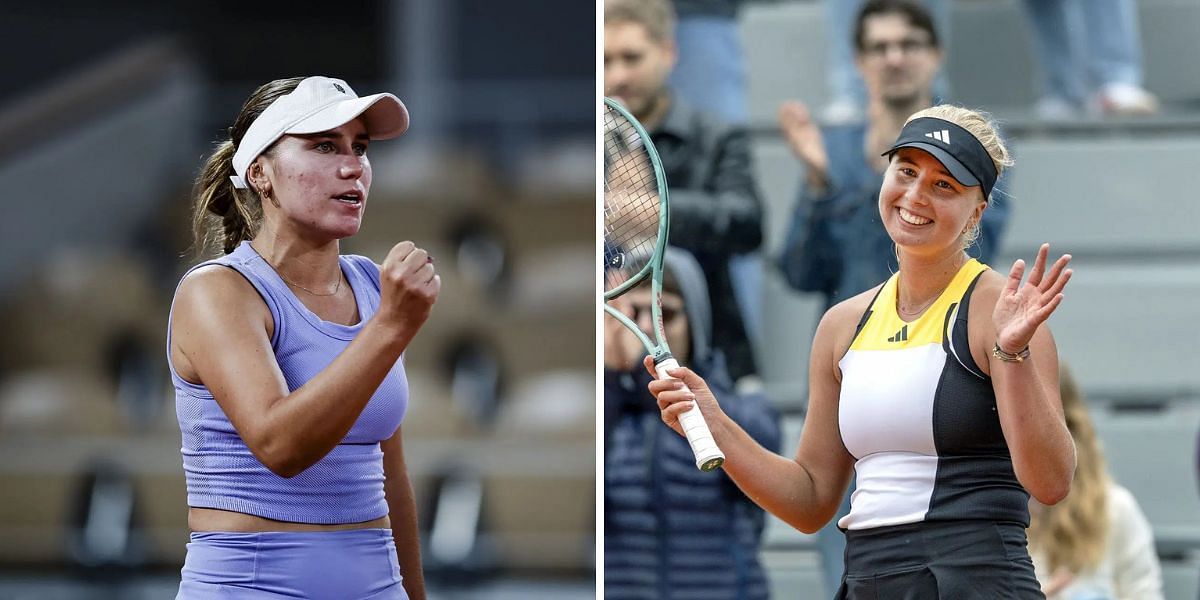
(938, 511)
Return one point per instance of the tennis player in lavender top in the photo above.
(286, 359)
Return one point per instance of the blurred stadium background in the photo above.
(1120, 195)
(109, 109)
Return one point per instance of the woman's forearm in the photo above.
(780, 485)
(299, 429)
(1042, 450)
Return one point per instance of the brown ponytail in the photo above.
(223, 216)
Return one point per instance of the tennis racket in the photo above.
(636, 219)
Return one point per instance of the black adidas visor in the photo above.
(959, 151)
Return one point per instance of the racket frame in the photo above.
(657, 348)
(653, 268)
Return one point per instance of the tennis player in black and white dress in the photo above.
(939, 388)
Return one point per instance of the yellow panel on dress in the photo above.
(885, 330)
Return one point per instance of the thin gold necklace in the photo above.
(337, 288)
(916, 313)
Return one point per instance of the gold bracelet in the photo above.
(1019, 356)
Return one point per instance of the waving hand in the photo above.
(1022, 308)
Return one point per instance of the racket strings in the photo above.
(631, 201)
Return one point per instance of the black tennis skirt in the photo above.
(953, 560)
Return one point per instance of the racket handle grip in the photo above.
(704, 447)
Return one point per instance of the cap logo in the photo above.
(942, 136)
(339, 88)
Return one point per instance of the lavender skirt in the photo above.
(352, 564)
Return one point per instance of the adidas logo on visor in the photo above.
(942, 136)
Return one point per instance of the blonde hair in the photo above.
(657, 16)
(223, 216)
(1073, 533)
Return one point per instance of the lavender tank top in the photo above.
(346, 486)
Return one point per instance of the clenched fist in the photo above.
(409, 286)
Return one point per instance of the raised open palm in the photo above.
(804, 137)
(1022, 308)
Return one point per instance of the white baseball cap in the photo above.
(317, 104)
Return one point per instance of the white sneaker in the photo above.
(1125, 99)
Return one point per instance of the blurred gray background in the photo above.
(108, 110)
(1119, 194)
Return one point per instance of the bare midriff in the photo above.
(211, 519)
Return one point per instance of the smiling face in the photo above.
(318, 182)
(924, 209)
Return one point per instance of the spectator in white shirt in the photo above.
(1096, 544)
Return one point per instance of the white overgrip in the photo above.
(704, 447)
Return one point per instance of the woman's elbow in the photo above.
(1054, 490)
(1049, 481)
(281, 459)
(1051, 496)
(808, 527)
(285, 470)
(284, 467)
(814, 521)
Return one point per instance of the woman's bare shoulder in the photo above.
(850, 310)
(219, 294)
(836, 330)
(213, 283)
